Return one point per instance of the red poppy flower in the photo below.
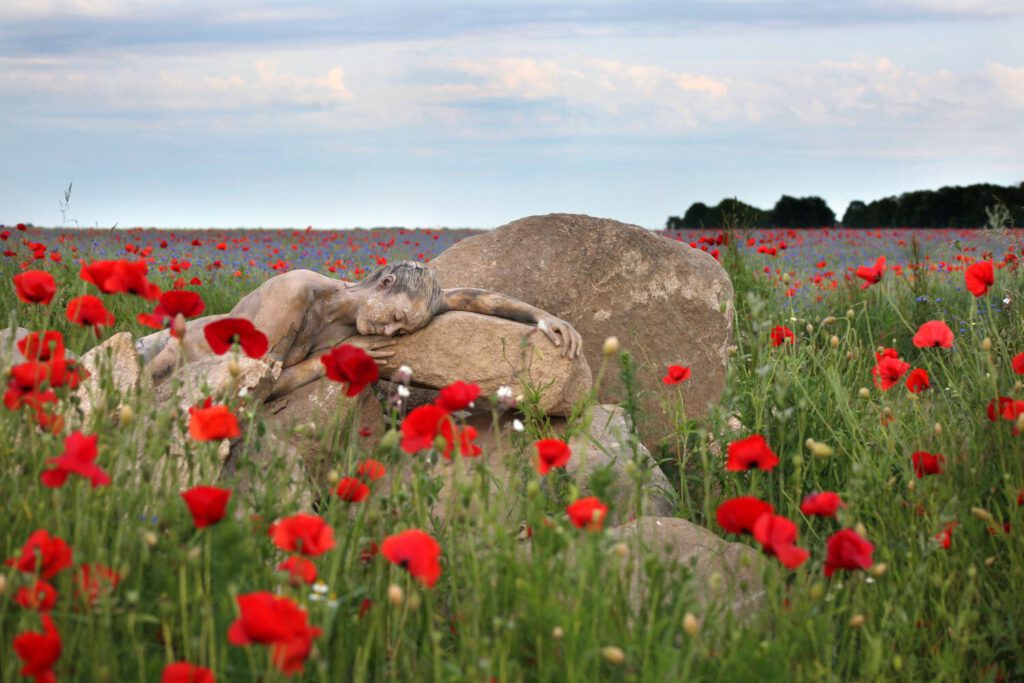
(95, 580)
(171, 303)
(780, 335)
(824, 504)
(39, 651)
(551, 453)
(871, 275)
(35, 286)
(120, 277)
(777, 536)
(888, 372)
(42, 346)
(979, 277)
(737, 515)
(212, 423)
(1018, 363)
(587, 513)
(347, 363)
(416, 552)
(352, 490)
(421, 427)
(221, 334)
(299, 569)
(457, 396)
(207, 504)
(89, 310)
(302, 533)
(269, 620)
(917, 381)
(886, 353)
(42, 553)
(41, 596)
(847, 550)
(933, 333)
(751, 452)
(371, 470)
(78, 458)
(183, 672)
(676, 375)
(945, 537)
(463, 435)
(927, 463)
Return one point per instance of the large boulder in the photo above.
(723, 572)
(492, 352)
(666, 302)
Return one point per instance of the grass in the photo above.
(549, 609)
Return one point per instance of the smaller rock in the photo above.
(737, 569)
(116, 356)
(211, 377)
(9, 353)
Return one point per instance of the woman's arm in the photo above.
(486, 302)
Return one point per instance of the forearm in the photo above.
(491, 303)
(297, 375)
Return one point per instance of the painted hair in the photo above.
(414, 279)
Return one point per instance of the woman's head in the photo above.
(404, 297)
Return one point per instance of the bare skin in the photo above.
(305, 314)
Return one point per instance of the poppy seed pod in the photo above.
(613, 654)
(691, 624)
(611, 346)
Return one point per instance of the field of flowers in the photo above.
(877, 376)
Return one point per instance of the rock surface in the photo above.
(600, 454)
(666, 302)
(490, 352)
(9, 353)
(115, 355)
(738, 567)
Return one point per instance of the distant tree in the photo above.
(802, 212)
(947, 207)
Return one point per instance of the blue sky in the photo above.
(474, 113)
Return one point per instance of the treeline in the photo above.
(948, 207)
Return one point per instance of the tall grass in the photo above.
(547, 608)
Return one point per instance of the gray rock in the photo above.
(722, 572)
(666, 302)
(112, 361)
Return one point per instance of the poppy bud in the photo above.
(613, 654)
(333, 477)
(819, 449)
(938, 429)
(178, 326)
(440, 443)
(857, 620)
(859, 528)
(557, 633)
(834, 342)
(809, 328)
(621, 550)
(611, 346)
(234, 369)
(817, 590)
(149, 538)
(691, 624)
(396, 596)
(989, 561)
(982, 514)
(3, 584)
(785, 278)
(911, 485)
(972, 571)
(715, 581)
(194, 554)
(986, 344)
(126, 415)
(532, 489)
(828, 321)
(390, 439)
(849, 314)
(414, 601)
(864, 392)
(879, 569)
(1020, 423)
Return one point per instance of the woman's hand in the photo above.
(374, 346)
(561, 334)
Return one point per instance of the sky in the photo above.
(472, 113)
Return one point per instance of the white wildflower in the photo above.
(504, 391)
(517, 425)
(403, 391)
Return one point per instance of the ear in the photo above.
(386, 281)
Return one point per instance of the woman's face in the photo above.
(391, 313)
